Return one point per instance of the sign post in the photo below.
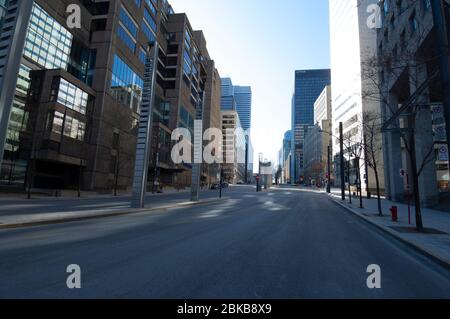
(198, 150)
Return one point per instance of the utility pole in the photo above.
(221, 183)
(348, 178)
(329, 169)
(246, 159)
(341, 143)
(366, 168)
(145, 128)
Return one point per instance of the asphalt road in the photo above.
(282, 244)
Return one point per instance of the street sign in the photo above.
(443, 153)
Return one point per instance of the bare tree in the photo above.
(373, 149)
(388, 67)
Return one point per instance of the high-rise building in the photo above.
(413, 98)
(243, 97)
(353, 44)
(77, 101)
(233, 148)
(239, 99)
(318, 140)
(309, 85)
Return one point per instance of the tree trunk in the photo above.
(377, 179)
(415, 176)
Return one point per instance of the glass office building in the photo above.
(243, 96)
(309, 84)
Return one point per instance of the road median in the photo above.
(66, 217)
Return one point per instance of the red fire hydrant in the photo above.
(394, 213)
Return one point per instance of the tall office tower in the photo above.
(14, 17)
(243, 96)
(233, 148)
(353, 42)
(76, 105)
(239, 99)
(309, 84)
(228, 101)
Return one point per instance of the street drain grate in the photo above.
(411, 230)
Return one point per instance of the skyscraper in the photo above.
(352, 43)
(309, 84)
(239, 99)
(79, 129)
(228, 101)
(243, 97)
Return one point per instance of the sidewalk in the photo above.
(435, 242)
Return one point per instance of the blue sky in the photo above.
(261, 43)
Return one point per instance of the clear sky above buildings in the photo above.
(261, 43)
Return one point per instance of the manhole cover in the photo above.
(411, 230)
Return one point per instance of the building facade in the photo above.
(353, 44)
(318, 140)
(239, 99)
(413, 97)
(233, 148)
(243, 97)
(76, 106)
(308, 86)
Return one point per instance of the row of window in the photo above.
(59, 123)
(69, 95)
(126, 85)
(128, 29)
(47, 42)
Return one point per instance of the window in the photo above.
(187, 41)
(186, 120)
(74, 128)
(147, 31)
(56, 121)
(126, 38)
(151, 6)
(149, 19)
(187, 65)
(71, 96)
(126, 85)
(142, 56)
(47, 42)
(128, 22)
(127, 29)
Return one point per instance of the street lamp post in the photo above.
(341, 156)
(259, 179)
(246, 159)
(329, 169)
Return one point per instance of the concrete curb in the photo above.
(105, 215)
(418, 249)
